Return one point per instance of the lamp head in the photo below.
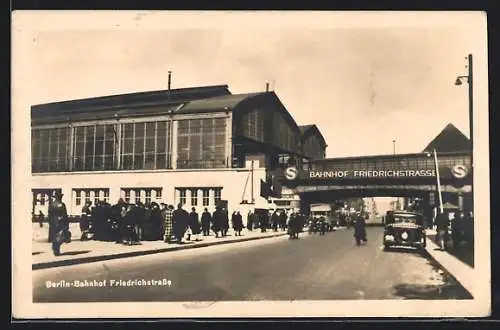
(458, 82)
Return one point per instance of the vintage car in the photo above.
(404, 229)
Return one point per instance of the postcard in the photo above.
(250, 164)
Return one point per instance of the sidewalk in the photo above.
(462, 272)
(78, 252)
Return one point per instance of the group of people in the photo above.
(461, 225)
(132, 223)
(129, 224)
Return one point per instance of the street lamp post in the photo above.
(394, 147)
(458, 82)
(469, 80)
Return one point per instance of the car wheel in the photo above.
(386, 247)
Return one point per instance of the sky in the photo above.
(362, 85)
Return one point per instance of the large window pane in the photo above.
(201, 143)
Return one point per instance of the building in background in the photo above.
(200, 147)
(314, 148)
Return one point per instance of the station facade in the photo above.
(200, 147)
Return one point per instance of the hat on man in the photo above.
(57, 194)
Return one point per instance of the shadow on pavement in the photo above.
(431, 292)
(74, 253)
(418, 252)
(464, 253)
(36, 253)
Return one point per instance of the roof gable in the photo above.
(307, 130)
(174, 96)
(450, 139)
(224, 102)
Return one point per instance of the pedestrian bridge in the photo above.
(403, 175)
(405, 171)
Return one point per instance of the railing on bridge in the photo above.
(390, 162)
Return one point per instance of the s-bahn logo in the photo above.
(291, 173)
(459, 171)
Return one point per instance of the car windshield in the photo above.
(406, 218)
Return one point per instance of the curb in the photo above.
(433, 259)
(76, 261)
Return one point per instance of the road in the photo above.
(311, 268)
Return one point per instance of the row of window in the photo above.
(283, 135)
(410, 163)
(253, 124)
(129, 146)
(195, 196)
(186, 196)
(312, 148)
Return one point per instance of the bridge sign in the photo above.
(459, 171)
(291, 173)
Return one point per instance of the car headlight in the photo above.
(404, 235)
(389, 237)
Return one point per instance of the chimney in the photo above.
(267, 87)
(169, 79)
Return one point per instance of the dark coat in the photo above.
(359, 228)
(237, 221)
(58, 222)
(274, 218)
(194, 223)
(218, 220)
(180, 220)
(206, 218)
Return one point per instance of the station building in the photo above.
(200, 146)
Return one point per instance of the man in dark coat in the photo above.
(237, 221)
(128, 223)
(85, 221)
(263, 221)
(180, 219)
(360, 230)
(274, 220)
(194, 225)
(282, 220)
(250, 220)
(206, 219)
(58, 218)
(442, 225)
(218, 222)
(225, 221)
(41, 217)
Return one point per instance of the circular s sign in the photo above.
(291, 173)
(459, 171)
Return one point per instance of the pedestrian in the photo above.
(250, 220)
(225, 221)
(263, 221)
(282, 220)
(274, 220)
(233, 221)
(129, 234)
(442, 222)
(140, 218)
(41, 217)
(360, 230)
(58, 218)
(85, 221)
(167, 236)
(218, 222)
(194, 225)
(237, 221)
(206, 219)
(180, 219)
